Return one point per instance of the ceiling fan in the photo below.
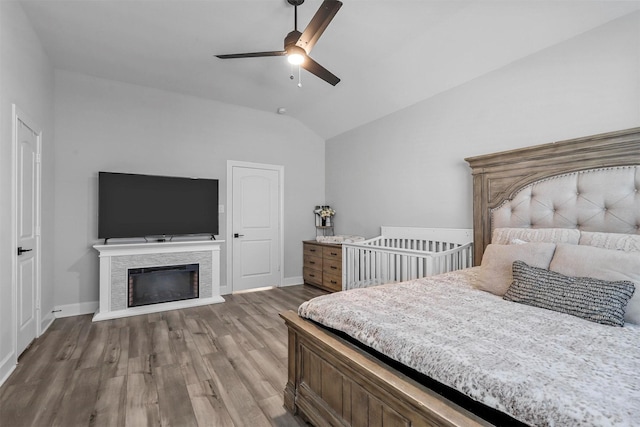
(297, 45)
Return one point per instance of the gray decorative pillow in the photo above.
(595, 300)
(599, 263)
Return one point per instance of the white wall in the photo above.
(26, 80)
(103, 125)
(407, 169)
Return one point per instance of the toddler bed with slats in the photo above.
(405, 253)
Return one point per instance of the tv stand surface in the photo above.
(163, 239)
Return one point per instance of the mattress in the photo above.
(541, 367)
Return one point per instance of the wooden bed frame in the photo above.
(333, 383)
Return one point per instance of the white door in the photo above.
(255, 227)
(27, 178)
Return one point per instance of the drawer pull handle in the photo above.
(312, 250)
(334, 267)
(312, 275)
(334, 254)
(312, 262)
(334, 282)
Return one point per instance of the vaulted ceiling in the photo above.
(389, 54)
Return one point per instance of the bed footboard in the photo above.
(332, 383)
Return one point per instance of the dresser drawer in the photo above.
(332, 282)
(311, 250)
(314, 262)
(311, 276)
(332, 253)
(332, 266)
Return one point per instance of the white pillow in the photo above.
(618, 241)
(507, 236)
(604, 264)
(495, 274)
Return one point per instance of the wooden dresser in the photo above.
(322, 265)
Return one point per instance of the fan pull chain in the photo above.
(299, 76)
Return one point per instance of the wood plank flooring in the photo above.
(216, 365)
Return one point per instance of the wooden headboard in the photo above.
(498, 177)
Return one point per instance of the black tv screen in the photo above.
(131, 205)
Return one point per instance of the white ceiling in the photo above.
(389, 54)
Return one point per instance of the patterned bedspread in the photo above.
(541, 367)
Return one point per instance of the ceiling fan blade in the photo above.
(252, 55)
(314, 68)
(318, 24)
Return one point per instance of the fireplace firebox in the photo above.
(154, 285)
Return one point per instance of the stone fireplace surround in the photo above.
(116, 259)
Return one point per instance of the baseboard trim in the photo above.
(292, 281)
(287, 281)
(9, 363)
(7, 366)
(79, 309)
(46, 322)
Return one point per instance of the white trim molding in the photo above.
(293, 281)
(47, 321)
(7, 366)
(68, 310)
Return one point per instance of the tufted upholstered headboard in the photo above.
(605, 200)
(587, 183)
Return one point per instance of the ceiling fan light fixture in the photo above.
(298, 45)
(295, 59)
(295, 55)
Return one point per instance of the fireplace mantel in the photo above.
(116, 259)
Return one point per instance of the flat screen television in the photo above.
(132, 205)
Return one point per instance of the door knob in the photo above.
(21, 251)
(236, 235)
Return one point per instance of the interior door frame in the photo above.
(229, 234)
(19, 116)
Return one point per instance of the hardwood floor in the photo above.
(217, 365)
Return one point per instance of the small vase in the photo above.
(324, 222)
